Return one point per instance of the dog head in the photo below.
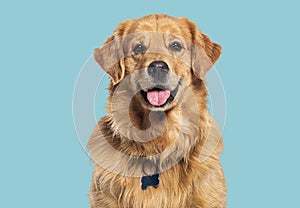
(156, 54)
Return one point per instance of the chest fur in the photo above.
(174, 190)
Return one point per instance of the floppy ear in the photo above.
(205, 53)
(110, 58)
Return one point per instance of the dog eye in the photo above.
(139, 48)
(175, 46)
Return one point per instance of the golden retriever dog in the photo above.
(158, 146)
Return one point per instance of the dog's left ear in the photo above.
(110, 57)
(205, 53)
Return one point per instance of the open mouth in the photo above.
(159, 96)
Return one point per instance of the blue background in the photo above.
(44, 45)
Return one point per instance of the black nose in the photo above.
(158, 70)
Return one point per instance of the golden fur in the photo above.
(187, 137)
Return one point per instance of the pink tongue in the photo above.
(158, 98)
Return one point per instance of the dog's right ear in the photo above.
(111, 59)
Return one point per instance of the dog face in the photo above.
(160, 56)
